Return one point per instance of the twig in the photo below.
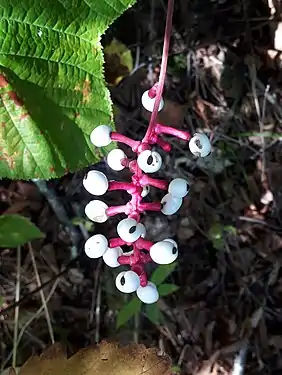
(36, 315)
(16, 320)
(60, 212)
(43, 300)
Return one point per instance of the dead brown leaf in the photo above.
(104, 359)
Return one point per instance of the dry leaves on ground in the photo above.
(103, 359)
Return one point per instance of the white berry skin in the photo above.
(178, 188)
(95, 182)
(200, 145)
(143, 230)
(96, 211)
(164, 252)
(129, 230)
(96, 246)
(148, 103)
(101, 136)
(127, 282)
(170, 204)
(110, 257)
(114, 159)
(148, 294)
(145, 191)
(149, 161)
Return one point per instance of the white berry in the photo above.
(129, 230)
(143, 230)
(101, 136)
(148, 103)
(145, 191)
(164, 252)
(115, 158)
(110, 257)
(178, 188)
(96, 211)
(96, 246)
(148, 294)
(200, 145)
(149, 161)
(170, 204)
(127, 282)
(95, 182)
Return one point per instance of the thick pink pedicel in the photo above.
(161, 129)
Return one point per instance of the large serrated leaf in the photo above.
(52, 90)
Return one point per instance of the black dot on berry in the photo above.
(122, 280)
(85, 177)
(174, 250)
(132, 229)
(150, 160)
(198, 144)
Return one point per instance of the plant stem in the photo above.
(168, 29)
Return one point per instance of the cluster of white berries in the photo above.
(130, 231)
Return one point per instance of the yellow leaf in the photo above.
(104, 359)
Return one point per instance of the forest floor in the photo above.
(224, 78)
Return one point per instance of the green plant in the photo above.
(152, 312)
(52, 88)
(16, 230)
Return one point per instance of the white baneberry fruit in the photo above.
(143, 229)
(95, 182)
(164, 252)
(200, 145)
(129, 230)
(145, 191)
(149, 161)
(178, 188)
(148, 103)
(170, 204)
(110, 257)
(96, 246)
(101, 136)
(96, 211)
(148, 294)
(115, 158)
(127, 282)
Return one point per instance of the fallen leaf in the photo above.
(103, 359)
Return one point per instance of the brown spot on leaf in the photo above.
(52, 169)
(8, 158)
(23, 116)
(3, 124)
(3, 81)
(86, 91)
(14, 97)
(76, 115)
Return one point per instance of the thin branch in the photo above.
(43, 300)
(16, 320)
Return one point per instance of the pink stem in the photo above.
(116, 185)
(114, 210)
(161, 129)
(123, 139)
(154, 206)
(129, 259)
(143, 244)
(164, 145)
(160, 184)
(139, 269)
(168, 29)
(116, 242)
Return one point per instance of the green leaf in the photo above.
(128, 311)
(162, 272)
(52, 89)
(154, 314)
(16, 230)
(166, 289)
